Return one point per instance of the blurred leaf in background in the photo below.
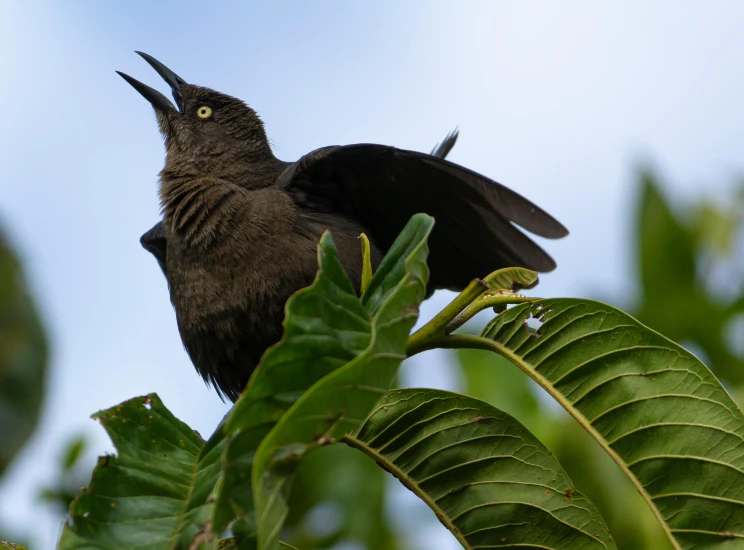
(690, 270)
(23, 358)
(73, 474)
(339, 497)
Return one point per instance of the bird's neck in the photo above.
(201, 205)
(237, 167)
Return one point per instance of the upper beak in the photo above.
(158, 100)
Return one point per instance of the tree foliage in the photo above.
(653, 408)
(23, 358)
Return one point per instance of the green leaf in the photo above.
(512, 278)
(338, 403)
(154, 494)
(10, 546)
(73, 449)
(654, 407)
(487, 479)
(402, 260)
(674, 300)
(632, 524)
(366, 262)
(71, 476)
(326, 327)
(333, 478)
(716, 226)
(23, 358)
(659, 230)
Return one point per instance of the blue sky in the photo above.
(561, 101)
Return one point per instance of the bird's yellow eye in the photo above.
(203, 112)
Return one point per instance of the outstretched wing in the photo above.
(382, 187)
(155, 241)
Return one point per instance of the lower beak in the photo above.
(156, 99)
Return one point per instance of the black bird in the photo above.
(155, 240)
(242, 226)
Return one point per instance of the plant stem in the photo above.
(452, 341)
(435, 328)
(480, 304)
(410, 484)
(494, 290)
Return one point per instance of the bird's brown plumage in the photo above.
(240, 227)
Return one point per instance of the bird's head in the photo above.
(204, 127)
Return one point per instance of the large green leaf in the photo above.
(338, 403)
(155, 493)
(487, 479)
(492, 378)
(326, 327)
(654, 407)
(23, 358)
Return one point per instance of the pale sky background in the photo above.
(561, 101)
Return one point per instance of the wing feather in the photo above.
(382, 187)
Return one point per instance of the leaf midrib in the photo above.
(409, 483)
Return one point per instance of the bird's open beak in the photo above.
(158, 100)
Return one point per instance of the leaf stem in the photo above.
(496, 289)
(494, 301)
(435, 328)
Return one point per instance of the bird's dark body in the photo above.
(240, 228)
(229, 294)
